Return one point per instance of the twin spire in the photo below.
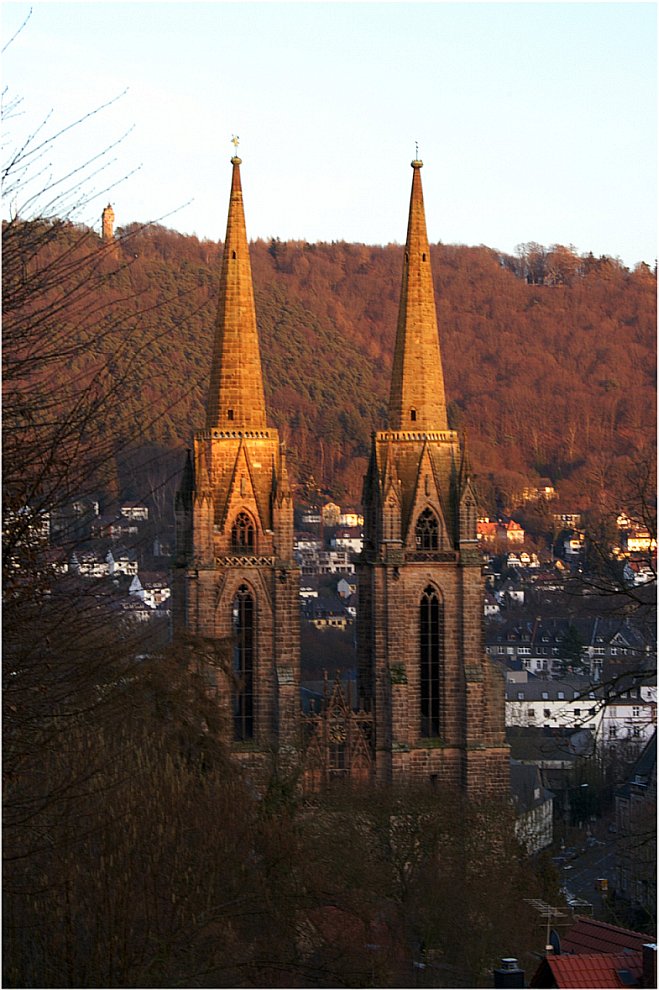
(417, 399)
(236, 398)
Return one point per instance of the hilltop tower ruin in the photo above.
(236, 582)
(436, 701)
(107, 224)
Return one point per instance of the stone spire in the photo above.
(236, 399)
(417, 399)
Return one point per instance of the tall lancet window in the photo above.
(427, 531)
(431, 650)
(243, 664)
(242, 534)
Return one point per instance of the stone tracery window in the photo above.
(431, 635)
(243, 664)
(427, 531)
(242, 534)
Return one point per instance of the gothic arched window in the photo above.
(431, 652)
(242, 534)
(243, 664)
(427, 531)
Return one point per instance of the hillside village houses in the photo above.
(543, 491)
(627, 719)
(494, 531)
(331, 514)
(538, 645)
(115, 550)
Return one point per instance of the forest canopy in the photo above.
(549, 356)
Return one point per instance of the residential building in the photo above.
(567, 520)
(121, 561)
(345, 589)
(89, 563)
(113, 528)
(330, 514)
(351, 519)
(348, 538)
(151, 588)
(629, 719)
(636, 821)
(544, 491)
(134, 510)
(568, 703)
(331, 620)
(539, 645)
(534, 824)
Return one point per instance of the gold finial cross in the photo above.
(235, 141)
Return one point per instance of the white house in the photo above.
(533, 803)
(639, 540)
(151, 588)
(350, 518)
(307, 541)
(121, 561)
(637, 572)
(346, 588)
(570, 703)
(348, 539)
(490, 604)
(134, 510)
(630, 719)
(89, 563)
(335, 562)
(573, 544)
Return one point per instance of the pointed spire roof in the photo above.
(236, 398)
(417, 399)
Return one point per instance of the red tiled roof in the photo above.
(601, 970)
(589, 935)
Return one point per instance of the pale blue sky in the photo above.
(535, 121)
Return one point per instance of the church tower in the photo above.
(236, 582)
(436, 701)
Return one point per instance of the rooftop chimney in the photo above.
(509, 974)
(649, 977)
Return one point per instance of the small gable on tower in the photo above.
(242, 498)
(426, 529)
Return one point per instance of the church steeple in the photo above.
(417, 399)
(236, 398)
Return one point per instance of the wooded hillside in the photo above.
(549, 357)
